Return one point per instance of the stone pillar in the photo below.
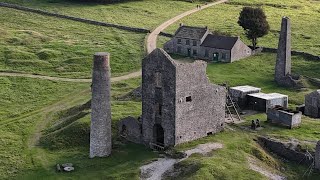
(317, 157)
(100, 132)
(283, 64)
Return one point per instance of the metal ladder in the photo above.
(232, 104)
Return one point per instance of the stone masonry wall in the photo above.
(100, 130)
(200, 105)
(284, 118)
(312, 105)
(158, 62)
(317, 157)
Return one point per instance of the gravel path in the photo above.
(156, 169)
(254, 166)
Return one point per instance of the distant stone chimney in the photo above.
(181, 24)
(283, 64)
(100, 131)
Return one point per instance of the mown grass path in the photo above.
(151, 44)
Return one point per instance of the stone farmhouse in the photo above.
(200, 43)
(312, 104)
(179, 104)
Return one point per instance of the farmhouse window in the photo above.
(179, 41)
(194, 43)
(223, 56)
(187, 42)
(194, 52)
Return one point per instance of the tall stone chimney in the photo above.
(100, 131)
(283, 64)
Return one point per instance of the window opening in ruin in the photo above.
(160, 109)
(187, 42)
(158, 134)
(188, 99)
(194, 43)
(158, 79)
(179, 41)
(209, 133)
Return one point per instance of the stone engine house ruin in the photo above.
(179, 104)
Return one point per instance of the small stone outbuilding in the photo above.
(312, 104)
(239, 94)
(179, 104)
(130, 128)
(263, 102)
(200, 43)
(285, 117)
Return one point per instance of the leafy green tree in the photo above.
(254, 22)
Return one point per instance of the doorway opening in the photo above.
(158, 134)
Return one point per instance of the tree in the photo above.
(254, 22)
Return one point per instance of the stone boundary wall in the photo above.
(296, 53)
(286, 150)
(88, 21)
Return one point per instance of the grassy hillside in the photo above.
(35, 110)
(45, 45)
(304, 15)
(144, 14)
(43, 123)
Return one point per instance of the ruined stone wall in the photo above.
(312, 105)
(200, 105)
(130, 128)
(240, 51)
(284, 118)
(317, 157)
(152, 96)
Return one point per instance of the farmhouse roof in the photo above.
(219, 42)
(190, 32)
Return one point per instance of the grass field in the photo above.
(43, 123)
(45, 45)
(144, 14)
(38, 106)
(304, 15)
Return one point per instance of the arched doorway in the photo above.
(158, 134)
(124, 131)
